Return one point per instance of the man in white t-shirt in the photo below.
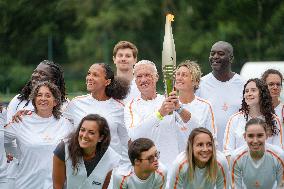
(222, 87)
(145, 172)
(124, 58)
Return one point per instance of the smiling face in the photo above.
(251, 94)
(124, 59)
(220, 57)
(89, 135)
(274, 84)
(41, 73)
(44, 101)
(96, 79)
(255, 137)
(184, 80)
(146, 79)
(202, 149)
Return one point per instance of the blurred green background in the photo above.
(77, 33)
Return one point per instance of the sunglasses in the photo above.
(151, 158)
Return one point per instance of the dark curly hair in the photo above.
(76, 152)
(57, 78)
(118, 87)
(55, 92)
(265, 102)
(271, 71)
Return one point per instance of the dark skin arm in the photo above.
(107, 180)
(58, 173)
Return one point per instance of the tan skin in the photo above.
(88, 139)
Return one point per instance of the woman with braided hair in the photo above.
(256, 103)
(45, 71)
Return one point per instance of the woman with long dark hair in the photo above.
(37, 135)
(106, 93)
(256, 103)
(85, 160)
(45, 71)
(200, 165)
(257, 164)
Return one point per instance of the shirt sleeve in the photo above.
(118, 180)
(229, 138)
(161, 179)
(12, 108)
(69, 113)
(60, 151)
(236, 173)
(223, 178)
(177, 175)
(279, 138)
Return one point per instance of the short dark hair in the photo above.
(137, 147)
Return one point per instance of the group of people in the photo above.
(216, 131)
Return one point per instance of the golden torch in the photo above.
(168, 55)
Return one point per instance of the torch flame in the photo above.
(170, 17)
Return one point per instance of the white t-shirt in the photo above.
(36, 139)
(279, 111)
(141, 121)
(225, 98)
(261, 174)
(179, 177)
(133, 92)
(111, 110)
(202, 115)
(15, 105)
(233, 137)
(3, 160)
(127, 179)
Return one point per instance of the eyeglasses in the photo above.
(274, 84)
(151, 158)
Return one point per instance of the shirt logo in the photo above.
(225, 107)
(96, 183)
(256, 184)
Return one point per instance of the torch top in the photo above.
(170, 17)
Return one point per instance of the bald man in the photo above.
(222, 87)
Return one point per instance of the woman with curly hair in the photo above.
(106, 91)
(256, 103)
(45, 71)
(273, 79)
(200, 165)
(37, 135)
(85, 159)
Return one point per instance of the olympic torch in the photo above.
(168, 56)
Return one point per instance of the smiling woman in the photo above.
(251, 164)
(37, 135)
(256, 103)
(85, 159)
(200, 166)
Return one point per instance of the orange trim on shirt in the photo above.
(211, 111)
(280, 128)
(120, 102)
(223, 173)
(279, 159)
(131, 113)
(228, 130)
(123, 180)
(163, 177)
(179, 169)
(233, 167)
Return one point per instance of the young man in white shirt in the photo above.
(222, 87)
(145, 172)
(124, 58)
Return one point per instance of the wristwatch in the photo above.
(179, 110)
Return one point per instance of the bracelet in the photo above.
(159, 116)
(179, 110)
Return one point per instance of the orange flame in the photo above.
(170, 17)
